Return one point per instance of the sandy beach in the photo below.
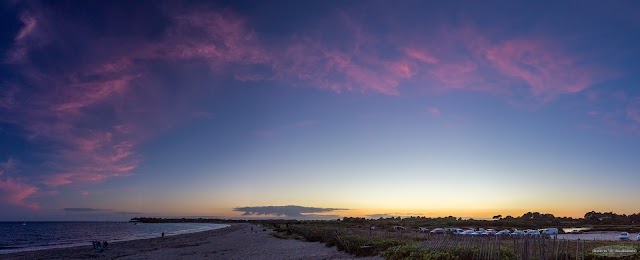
(234, 242)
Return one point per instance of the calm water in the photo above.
(568, 230)
(41, 235)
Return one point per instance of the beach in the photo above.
(235, 242)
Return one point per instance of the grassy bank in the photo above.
(361, 241)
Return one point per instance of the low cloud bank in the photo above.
(291, 211)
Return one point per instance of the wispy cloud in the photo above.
(19, 51)
(393, 215)
(434, 111)
(284, 211)
(633, 110)
(92, 111)
(82, 209)
(543, 67)
(616, 112)
(128, 213)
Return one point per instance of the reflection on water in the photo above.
(568, 230)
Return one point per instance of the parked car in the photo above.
(518, 233)
(438, 231)
(575, 231)
(638, 237)
(423, 229)
(624, 236)
(458, 231)
(489, 232)
(468, 232)
(503, 233)
(533, 233)
(550, 231)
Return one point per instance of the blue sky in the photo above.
(319, 110)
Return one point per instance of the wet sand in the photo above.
(234, 242)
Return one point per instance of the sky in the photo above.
(318, 109)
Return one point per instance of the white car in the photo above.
(424, 229)
(489, 232)
(533, 233)
(550, 231)
(624, 236)
(638, 237)
(468, 232)
(458, 231)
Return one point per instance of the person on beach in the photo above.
(162, 234)
(105, 244)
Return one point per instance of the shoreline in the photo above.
(19, 249)
(237, 241)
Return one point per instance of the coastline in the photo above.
(237, 241)
(19, 249)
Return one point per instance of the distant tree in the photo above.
(497, 217)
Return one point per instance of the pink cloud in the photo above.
(89, 93)
(422, 56)
(57, 179)
(546, 70)
(622, 119)
(434, 111)
(218, 37)
(87, 149)
(633, 111)
(456, 75)
(84, 148)
(26, 37)
(314, 63)
(120, 81)
(30, 23)
(14, 190)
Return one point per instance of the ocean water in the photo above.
(15, 237)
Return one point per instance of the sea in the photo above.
(29, 236)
